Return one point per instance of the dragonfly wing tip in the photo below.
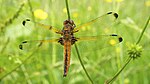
(116, 15)
(120, 39)
(23, 23)
(20, 47)
(109, 13)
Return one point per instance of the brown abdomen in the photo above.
(67, 53)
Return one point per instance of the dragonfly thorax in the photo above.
(67, 33)
(72, 40)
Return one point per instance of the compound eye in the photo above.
(71, 21)
(66, 22)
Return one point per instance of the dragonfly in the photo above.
(68, 38)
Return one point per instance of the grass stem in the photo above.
(116, 75)
(67, 6)
(83, 64)
(143, 30)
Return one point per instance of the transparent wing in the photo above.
(101, 41)
(29, 44)
(49, 27)
(111, 39)
(103, 21)
(97, 38)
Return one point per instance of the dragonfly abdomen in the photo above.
(67, 53)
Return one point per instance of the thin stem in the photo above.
(143, 30)
(67, 6)
(83, 64)
(116, 75)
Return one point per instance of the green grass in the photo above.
(45, 64)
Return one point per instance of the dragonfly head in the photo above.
(68, 25)
(69, 22)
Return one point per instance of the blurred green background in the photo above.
(44, 65)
